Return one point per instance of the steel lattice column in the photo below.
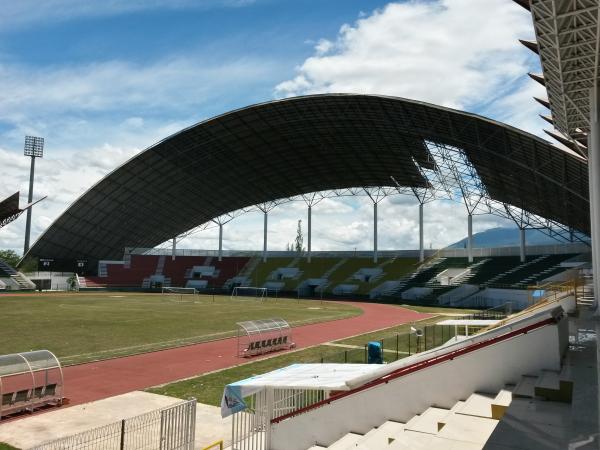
(421, 243)
(522, 250)
(594, 185)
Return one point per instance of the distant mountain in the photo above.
(505, 237)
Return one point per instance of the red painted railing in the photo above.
(420, 366)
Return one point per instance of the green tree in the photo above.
(10, 257)
(299, 241)
(30, 264)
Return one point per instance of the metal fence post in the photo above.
(397, 346)
(122, 446)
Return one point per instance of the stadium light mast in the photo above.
(34, 147)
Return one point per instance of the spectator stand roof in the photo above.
(297, 146)
(568, 43)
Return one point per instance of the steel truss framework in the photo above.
(568, 41)
(453, 177)
(328, 144)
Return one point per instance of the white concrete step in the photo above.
(438, 443)
(526, 387)
(554, 385)
(479, 405)
(476, 430)
(548, 379)
(381, 436)
(501, 403)
(428, 422)
(347, 441)
(411, 440)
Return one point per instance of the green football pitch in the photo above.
(81, 327)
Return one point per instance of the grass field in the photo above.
(4, 446)
(209, 388)
(81, 327)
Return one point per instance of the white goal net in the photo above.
(179, 291)
(179, 294)
(243, 292)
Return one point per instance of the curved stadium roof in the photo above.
(300, 145)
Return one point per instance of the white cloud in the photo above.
(61, 177)
(460, 53)
(456, 53)
(26, 12)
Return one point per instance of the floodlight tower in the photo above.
(34, 147)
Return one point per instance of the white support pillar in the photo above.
(421, 243)
(309, 232)
(174, 250)
(375, 232)
(470, 238)
(265, 237)
(594, 184)
(522, 245)
(220, 242)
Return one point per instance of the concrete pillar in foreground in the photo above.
(265, 237)
(470, 238)
(594, 185)
(421, 243)
(220, 242)
(375, 232)
(309, 236)
(522, 252)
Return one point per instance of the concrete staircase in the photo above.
(466, 426)
(23, 282)
(514, 269)
(408, 278)
(160, 265)
(329, 272)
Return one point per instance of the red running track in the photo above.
(102, 379)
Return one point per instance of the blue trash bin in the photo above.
(375, 354)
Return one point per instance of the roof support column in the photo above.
(376, 195)
(594, 187)
(220, 221)
(310, 200)
(470, 238)
(264, 255)
(421, 244)
(522, 252)
(220, 242)
(265, 208)
(174, 249)
(309, 232)
(375, 233)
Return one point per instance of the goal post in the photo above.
(179, 291)
(179, 294)
(249, 292)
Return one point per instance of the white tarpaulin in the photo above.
(329, 377)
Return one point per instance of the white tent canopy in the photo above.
(327, 377)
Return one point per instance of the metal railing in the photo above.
(249, 427)
(170, 428)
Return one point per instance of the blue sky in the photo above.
(103, 80)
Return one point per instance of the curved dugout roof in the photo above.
(300, 145)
